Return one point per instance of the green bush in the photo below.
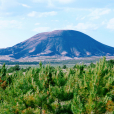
(49, 90)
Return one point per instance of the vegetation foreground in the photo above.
(48, 90)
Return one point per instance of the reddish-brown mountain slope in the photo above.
(59, 42)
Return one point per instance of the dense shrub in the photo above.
(14, 68)
(49, 90)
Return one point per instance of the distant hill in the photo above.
(68, 43)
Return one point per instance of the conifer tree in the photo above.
(3, 70)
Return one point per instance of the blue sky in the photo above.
(22, 19)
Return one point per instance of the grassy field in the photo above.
(54, 62)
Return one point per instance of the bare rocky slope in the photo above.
(58, 43)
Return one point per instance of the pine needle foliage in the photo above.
(49, 90)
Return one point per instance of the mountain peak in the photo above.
(68, 43)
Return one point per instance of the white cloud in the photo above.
(55, 20)
(110, 24)
(71, 26)
(10, 24)
(82, 18)
(24, 5)
(42, 29)
(23, 18)
(38, 0)
(37, 23)
(76, 9)
(2, 14)
(86, 26)
(104, 22)
(77, 18)
(95, 14)
(52, 1)
(32, 14)
(44, 14)
(48, 2)
(82, 26)
(4, 4)
(65, 1)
